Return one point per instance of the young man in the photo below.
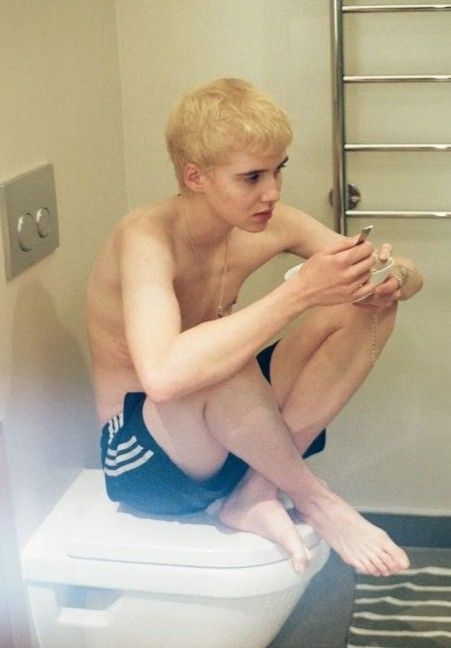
(200, 421)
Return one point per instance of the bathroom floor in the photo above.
(322, 619)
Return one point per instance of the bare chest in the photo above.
(206, 293)
(207, 287)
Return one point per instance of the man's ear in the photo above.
(194, 178)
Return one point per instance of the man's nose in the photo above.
(271, 190)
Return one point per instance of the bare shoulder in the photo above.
(150, 223)
(141, 236)
(146, 235)
(302, 234)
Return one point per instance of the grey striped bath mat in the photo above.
(410, 610)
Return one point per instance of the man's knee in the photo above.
(384, 318)
(375, 325)
(384, 322)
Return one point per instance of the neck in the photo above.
(207, 230)
(210, 234)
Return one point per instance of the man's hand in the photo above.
(403, 283)
(386, 293)
(383, 296)
(338, 273)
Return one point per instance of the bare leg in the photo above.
(245, 418)
(254, 506)
(314, 372)
(242, 416)
(317, 368)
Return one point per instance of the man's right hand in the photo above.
(338, 273)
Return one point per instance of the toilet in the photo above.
(99, 575)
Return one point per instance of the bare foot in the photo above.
(359, 543)
(257, 509)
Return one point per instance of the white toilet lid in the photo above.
(109, 532)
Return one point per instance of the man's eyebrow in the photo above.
(254, 171)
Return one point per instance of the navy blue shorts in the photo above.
(140, 474)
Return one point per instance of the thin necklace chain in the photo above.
(374, 340)
(196, 254)
(219, 308)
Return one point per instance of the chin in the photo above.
(260, 226)
(253, 228)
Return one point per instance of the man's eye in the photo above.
(252, 179)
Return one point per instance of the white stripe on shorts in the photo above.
(115, 424)
(124, 456)
(125, 445)
(115, 472)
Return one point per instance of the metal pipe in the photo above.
(338, 121)
(395, 8)
(402, 78)
(397, 147)
(357, 213)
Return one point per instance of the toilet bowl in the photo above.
(99, 575)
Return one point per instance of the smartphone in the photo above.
(364, 233)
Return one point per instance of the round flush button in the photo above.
(43, 224)
(25, 232)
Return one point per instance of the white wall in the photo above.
(60, 103)
(390, 448)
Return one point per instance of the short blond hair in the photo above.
(208, 124)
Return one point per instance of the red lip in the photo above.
(264, 215)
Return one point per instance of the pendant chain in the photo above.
(374, 340)
(196, 254)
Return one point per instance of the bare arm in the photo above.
(306, 236)
(171, 363)
(303, 234)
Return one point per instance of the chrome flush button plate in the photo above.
(29, 218)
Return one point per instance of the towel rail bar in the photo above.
(401, 78)
(398, 147)
(358, 213)
(342, 197)
(395, 8)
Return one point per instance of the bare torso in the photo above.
(197, 287)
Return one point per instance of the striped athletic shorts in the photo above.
(140, 474)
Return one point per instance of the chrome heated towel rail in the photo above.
(344, 194)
